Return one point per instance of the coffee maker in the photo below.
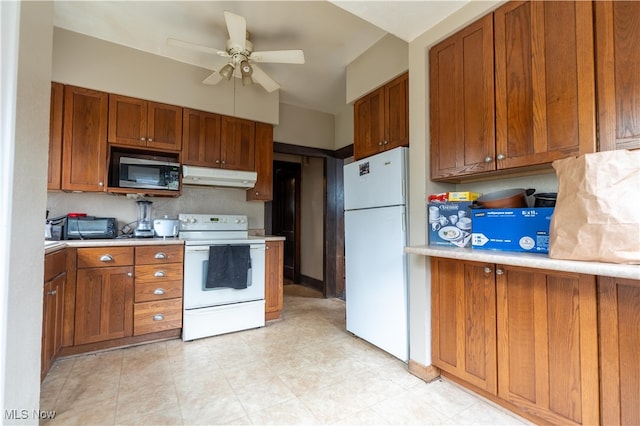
(145, 223)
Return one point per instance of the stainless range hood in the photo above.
(192, 175)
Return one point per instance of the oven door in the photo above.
(196, 265)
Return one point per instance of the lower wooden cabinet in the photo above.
(619, 326)
(55, 278)
(274, 280)
(548, 344)
(104, 304)
(531, 331)
(463, 326)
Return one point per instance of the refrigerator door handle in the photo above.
(404, 222)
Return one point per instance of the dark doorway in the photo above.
(286, 214)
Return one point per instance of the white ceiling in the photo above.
(329, 33)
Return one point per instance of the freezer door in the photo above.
(376, 284)
(376, 181)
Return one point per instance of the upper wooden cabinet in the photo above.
(84, 141)
(54, 179)
(543, 68)
(212, 140)
(545, 82)
(200, 138)
(462, 109)
(238, 144)
(617, 28)
(263, 190)
(139, 123)
(381, 119)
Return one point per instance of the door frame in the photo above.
(333, 245)
(297, 215)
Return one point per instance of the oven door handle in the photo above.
(205, 249)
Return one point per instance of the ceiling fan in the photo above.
(241, 57)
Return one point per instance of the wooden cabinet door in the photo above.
(462, 107)
(200, 138)
(274, 282)
(84, 153)
(547, 344)
(263, 190)
(544, 73)
(369, 124)
(238, 144)
(619, 326)
(53, 305)
(463, 309)
(164, 126)
(617, 28)
(396, 113)
(54, 180)
(104, 304)
(127, 121)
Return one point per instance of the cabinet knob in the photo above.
(159, 274)
(380, 143)
(106, 258)
(385, 142)
(158, 317)
(129, 274)
(143, 139)
(52, 292)
(488, 159)
(150, 139)
(158, 291)
(499, 271)
(100, 183)
(217, 161)
(160, 255)
(257, 193)
(487, 270)
(501, 157)
(224, 162)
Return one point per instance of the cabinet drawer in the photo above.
(104, 256)
(150, 255)
(150, 317)
(148, 291)
(55, 264)
(159, 273)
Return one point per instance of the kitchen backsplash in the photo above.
(192, 200)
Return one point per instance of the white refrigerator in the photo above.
(375, 202)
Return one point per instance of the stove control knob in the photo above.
(192, 220)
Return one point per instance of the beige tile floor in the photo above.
(303, 369)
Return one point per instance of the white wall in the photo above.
(344, 127)
(96, 64)
(194, 199)
(23, 315)
(306, 127)
(384, 61)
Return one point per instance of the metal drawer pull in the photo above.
(158, 317)
(499, 271)
(106, 258)
(159, 274)
(160, 255)
(487, 270)
(158, 291)
(52, 292)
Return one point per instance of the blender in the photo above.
(145, 223)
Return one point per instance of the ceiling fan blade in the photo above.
(193, 46)
(263, 79)
(237, 27)
(213, 78)
(279, 56)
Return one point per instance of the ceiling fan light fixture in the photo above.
(227, 71)
(246, 71)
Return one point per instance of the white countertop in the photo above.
(51, 246)
(531, 260)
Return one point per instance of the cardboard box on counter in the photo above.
(522, 229)
(449, 224)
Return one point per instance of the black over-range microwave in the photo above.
(144, 173)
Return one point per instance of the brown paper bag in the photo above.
(597, 213)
